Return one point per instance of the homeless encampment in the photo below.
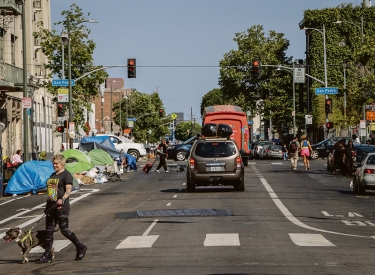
(100, 157)
(99, 142)
(30, 177)
(77, 161)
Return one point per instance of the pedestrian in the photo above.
(338, 156)
(305, 151)
(162, 152)
(293, 152)
(285, 152)
(356, 139)
(349, 149)
(129, 163)
(16, 159)
(59, 188)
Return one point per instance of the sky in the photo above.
(178, 44)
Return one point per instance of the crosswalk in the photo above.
(210, 240)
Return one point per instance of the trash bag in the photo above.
(216, 130)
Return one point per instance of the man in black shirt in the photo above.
(162, 152)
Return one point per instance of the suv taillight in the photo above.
(192, 163)
(239, 162)
(369, 171)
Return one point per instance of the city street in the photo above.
(285, 222)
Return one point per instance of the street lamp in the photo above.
(70, 72)
(323, 32)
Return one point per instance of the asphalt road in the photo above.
(285, 222)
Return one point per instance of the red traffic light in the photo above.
(60, 129)
(131, 68)
(329, 125)
(255, 67)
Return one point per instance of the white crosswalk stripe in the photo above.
(222, 240)
(309, 240)
(57, 245)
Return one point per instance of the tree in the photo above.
(186, 129)
(212, 98)
(271, 94)
(145, 108)
(82, 49)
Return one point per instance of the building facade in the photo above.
(42, 113)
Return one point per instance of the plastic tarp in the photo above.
(88, 146)
(83, 164)
(103, 140)
(100, 157)
(30, 177)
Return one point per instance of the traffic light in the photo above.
(131, 68)
(329, 125)
(328, 106)
(255, 64)
(161, 111)
(60, 129)
(60, 109)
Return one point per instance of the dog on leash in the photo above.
(180, 169)
(27, 240)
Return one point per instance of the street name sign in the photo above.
(62, 95)
(299, 74)
(327, 91)
(132, 119)
(61, 82)
(370, 115)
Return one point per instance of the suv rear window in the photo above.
(215, 149)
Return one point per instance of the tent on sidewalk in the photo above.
(99, 142)
(100, 157)
(30, 177)
(77, 161)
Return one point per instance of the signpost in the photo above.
(327, 91)
(62, 95)
(61, 82)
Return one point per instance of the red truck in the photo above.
(235, 118)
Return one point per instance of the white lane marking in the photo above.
(276, 163)
(168, 204)
(139, 241)
(15, 199)
(149, 228)
(290, 216)
(57, 245)
(175, 196)
(42, 206)
(325, 213)
(184, 183)
(353, 214)
(231, 239)
(309, 240)
(370, 223)
(354, 223)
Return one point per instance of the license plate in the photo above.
(215, 168)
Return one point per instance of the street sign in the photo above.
(173, 116)
(62, 95)
(26, 103)
(299, 74)
(308, 119)
(71, 126)
(131, 119)
(61, 82)
(370, 115)
(327, 91)
(130, 123)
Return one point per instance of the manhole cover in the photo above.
(176, 213)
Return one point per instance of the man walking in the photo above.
(162, 152)
(293, 152)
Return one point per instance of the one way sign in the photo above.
(62, 95)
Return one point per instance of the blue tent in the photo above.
(30, 177)
(103, 140)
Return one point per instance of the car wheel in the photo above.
(180, 155)
(314, 154)
(241, 185)
(190, 186)
(134, 153)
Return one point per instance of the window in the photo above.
(215, 149)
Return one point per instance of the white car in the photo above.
(130, 147)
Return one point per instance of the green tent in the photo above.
(81, 161)
(100, 157)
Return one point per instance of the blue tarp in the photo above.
(104, 140)
(30, 177)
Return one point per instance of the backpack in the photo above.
(292, 147)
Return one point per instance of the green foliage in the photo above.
(181, 132)
(357, 57)
(272, 93)
(82, 49)
(212, 98)
(145, 108)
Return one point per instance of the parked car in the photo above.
(364, 176)
(259, 147)
(272, 151)
(180, 152)
(215, 161)
(323, 148)
(360, 152)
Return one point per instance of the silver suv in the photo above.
(215, 161)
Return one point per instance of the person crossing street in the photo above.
(293, 152)
(162, 152)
